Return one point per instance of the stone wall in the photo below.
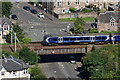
(72, 15)
(106, 26)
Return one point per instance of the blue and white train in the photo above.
(52, 40)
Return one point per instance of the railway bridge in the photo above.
(62, 49)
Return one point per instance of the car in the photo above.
(33, 11)
(72, 60)
(13, 16)
(26, 8)
(41, 15)
(51, 78)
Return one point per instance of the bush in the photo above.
(26, 40)
(94, 30)
(72, 9)
(86, 10)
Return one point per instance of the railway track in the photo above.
(37, 46)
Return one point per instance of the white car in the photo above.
(72, 60)
(41, 15)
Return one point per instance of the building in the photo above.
(5, 28)
(13, 68)
(108, 21)
(62, 6)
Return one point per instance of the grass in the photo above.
(87, 19)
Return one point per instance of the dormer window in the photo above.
(112, 21)
(5, 27)
(2, 73)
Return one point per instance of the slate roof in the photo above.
(105, 17)
(13, 64)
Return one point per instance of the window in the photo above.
(58, 11)
(59, 4)
(54, 39)
(98, 38)
(79, 38)
(5, 27)
(86, 38)
(14, 73)
(66, 39)
(63, 11)
(103, 38)
(2, 73)
(95, 0)
(77, 2)
(0, 33)
(72, 38)
(112, 23)
(68, 3)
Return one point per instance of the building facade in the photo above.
(5, 28)
(108, 21)
(13, 68)
(62, 6)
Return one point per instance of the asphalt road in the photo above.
(33, 26)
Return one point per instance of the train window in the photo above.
(86, 38)
(54, 39)
(103, 38)
(79, 38)
(98, 38)
(66, 39)
(72, 38)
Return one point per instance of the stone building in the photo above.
(62, 6)
(5, 27)
(108, 21)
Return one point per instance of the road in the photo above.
(59, 66)
(33, 26)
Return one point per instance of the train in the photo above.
(86, 39)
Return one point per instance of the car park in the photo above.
(27, 8)
(13, 16)
(41, 15)
(33, 11)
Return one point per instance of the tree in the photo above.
(19, 33)
(26, 40)
(103, 62)
(79, 25)
(36, 74)
(28, 56)
(6, 8)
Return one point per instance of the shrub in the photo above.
(86, 10)
(26, 40)
(72, 9)
(94, 30)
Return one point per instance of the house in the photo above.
(108, 21)
(62, 6)
(13, 68)
(5, 28)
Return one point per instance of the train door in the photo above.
(92, 39)
(60, 39)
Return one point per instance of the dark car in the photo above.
(51, 78)
(14, 17)
(26, 8)
(34, 11)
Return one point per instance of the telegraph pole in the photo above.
(15, 42)
(11, 34)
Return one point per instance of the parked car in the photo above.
(13, 16)
(26, 8)
(51, 78)
(33, 11)
(41, 15)
(72, 60)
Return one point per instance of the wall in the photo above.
(72, 15)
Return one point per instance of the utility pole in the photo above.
(15, 42)
(11, 34)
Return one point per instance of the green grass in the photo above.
(87, 19)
